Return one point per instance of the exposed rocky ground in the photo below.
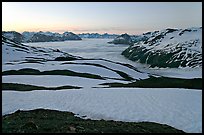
(169, 48)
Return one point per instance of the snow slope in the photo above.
(129, 71)
(56, 80)
(99, 48)
(17, 56)
(169, 48)
(180, 108)
(73, 67)
(13, 35)
(12, 52)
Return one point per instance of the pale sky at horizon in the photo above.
(100, 17)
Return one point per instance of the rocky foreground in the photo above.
(51, 121)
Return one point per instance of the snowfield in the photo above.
(77, 66)
(131, 72)
(12, 52)
(73, 67)
(56, 80)
(180, 108)
(99, 48)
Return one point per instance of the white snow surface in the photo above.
(180, 108)
(185, 43)
(12, 52)
(99, 48)
(175, 38)
(129, 71)
(56, 80)
(73, 67)
(55, 65)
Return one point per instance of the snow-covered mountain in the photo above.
(50, 37)
(70, 36)
(13, 52)
(122, 39)
(129, 39)
(27, 35)
(13, 35)
(40, 36)
(169, 48)
(24, 65)
(97, 35)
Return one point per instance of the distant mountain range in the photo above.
(97, 35)
(51, 36)
(40, 36)
(167, 48)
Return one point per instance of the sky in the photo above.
(100, 17)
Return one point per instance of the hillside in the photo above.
(96, 89)
(13, 35)
(14, 52)
(169, 48)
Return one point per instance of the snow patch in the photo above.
(180, 108)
